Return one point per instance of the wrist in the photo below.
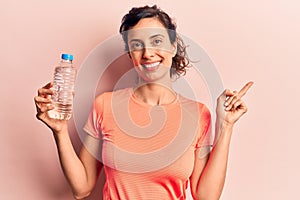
(61, 130)
(226, 124)
(221, 123)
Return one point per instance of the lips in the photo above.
(151, 66)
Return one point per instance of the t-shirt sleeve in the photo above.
(205, 133)
(94, 121)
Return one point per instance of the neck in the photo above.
(155, 93)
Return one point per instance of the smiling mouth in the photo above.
(151, 66)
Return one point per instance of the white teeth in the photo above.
(151, 65)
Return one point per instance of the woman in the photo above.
(157, 54)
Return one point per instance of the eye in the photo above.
(136, 45)
(157, 42)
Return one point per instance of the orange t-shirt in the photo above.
(148, 151)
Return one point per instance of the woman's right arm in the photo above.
(81, 172)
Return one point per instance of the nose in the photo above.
(148, 52)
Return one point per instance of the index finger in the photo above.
(243, 91)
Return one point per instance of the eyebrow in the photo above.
(152, 36)
(134, 40)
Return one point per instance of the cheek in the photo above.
(135, 63)
(167, 57)
(134, 59)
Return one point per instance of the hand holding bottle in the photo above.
(44, 104)
(55, 100)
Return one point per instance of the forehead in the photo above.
(149, 23)
(145, 33)
(147, 27)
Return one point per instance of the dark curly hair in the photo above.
(180, 61)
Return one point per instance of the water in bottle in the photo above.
(64, 80)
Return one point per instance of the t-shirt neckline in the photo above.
(135, 99)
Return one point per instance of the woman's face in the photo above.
(150, 49)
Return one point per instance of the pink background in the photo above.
(254, 40)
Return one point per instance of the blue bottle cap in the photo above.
(67, 56)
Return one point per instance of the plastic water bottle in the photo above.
(64, 80)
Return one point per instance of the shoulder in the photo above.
(198, 111)
(194, 105)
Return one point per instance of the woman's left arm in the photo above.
(209, 172)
